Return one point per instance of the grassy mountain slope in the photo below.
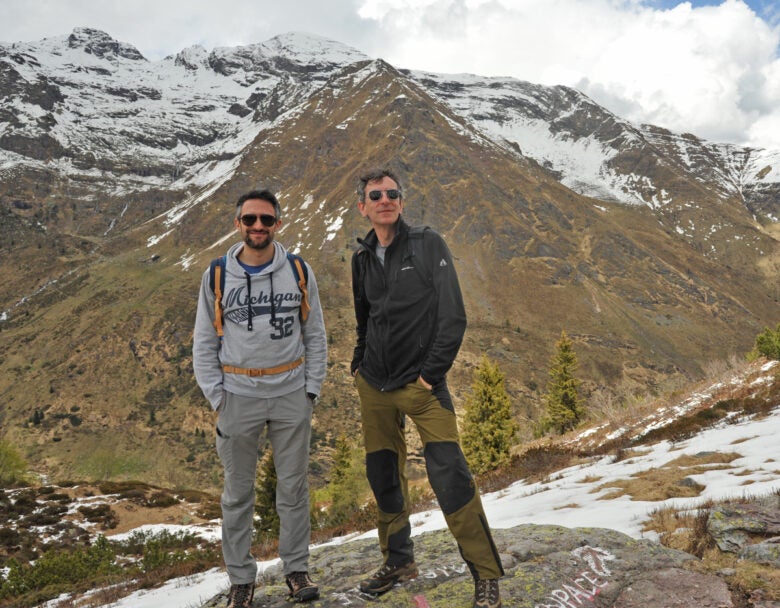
(104, 354)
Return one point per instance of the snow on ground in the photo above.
(570, 498)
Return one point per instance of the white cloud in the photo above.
(703, 70)
(710, 70)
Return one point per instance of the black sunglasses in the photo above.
(392, 194)
(249, 219)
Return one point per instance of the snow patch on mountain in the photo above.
(88, 106)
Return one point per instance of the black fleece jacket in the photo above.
(410, 314)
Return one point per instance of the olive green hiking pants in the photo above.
(383, 433)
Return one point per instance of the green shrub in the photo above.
(57, 570)
(13, 468)
(767, 344)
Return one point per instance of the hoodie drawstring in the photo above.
(273, 304)
(249, 311)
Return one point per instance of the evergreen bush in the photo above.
(488, 426)
(767, 344)
(562, 402)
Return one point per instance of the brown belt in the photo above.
(268, 371)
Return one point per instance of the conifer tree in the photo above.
(488, 426)
(348, 486)
(342, 460)
(564, 409)
(265, 505)
(767, 344)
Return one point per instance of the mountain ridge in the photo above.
(103, 257)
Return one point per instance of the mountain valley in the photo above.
(656, 252)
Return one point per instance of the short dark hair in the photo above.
(263, 195)
(373, 175)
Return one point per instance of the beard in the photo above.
(250, 241)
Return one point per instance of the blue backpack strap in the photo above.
(217, 284)
(301, 274)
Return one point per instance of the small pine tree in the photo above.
(564, 409)
(488, 426)
(767, 344)
(267, 526)
(348, 487)
(342, 460)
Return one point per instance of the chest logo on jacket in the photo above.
(235, 303)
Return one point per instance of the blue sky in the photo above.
(758, 6)
(711, 68)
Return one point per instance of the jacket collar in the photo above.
(370, 241)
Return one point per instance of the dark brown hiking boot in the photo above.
(240, 596)
(486, 593)
(387, 576)
(302, 589)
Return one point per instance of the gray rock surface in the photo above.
(546, 567)
(749, 529)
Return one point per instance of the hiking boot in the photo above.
(486, 593)
(302, 589)
(240, 596)
(387, 576)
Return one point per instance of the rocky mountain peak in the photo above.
(100, 44)
(292, 53)
(303, 47)
(192, 57)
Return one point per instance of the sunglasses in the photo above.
(249, 219)
(392, 194)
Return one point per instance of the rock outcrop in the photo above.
(546, 567)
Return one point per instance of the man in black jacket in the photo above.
(410, 325)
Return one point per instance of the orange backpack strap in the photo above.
(217, 283)
(300, 274)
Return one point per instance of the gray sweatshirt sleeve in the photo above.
(315, 340)
(205, 347)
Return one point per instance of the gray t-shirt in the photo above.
(380, 253)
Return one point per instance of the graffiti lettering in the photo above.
(445, 571)
(595, 558)
(586, 586)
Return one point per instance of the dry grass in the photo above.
(538, 460)
(670, 481)
(752, 580)
(686, 530)
(683, 530)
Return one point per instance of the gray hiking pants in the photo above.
(287, 422)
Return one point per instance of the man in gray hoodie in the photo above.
(263, 375)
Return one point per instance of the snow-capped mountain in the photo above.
(656, 252)
(594, 152)
(95, 107)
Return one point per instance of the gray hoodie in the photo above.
(277, 336)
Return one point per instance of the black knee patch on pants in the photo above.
(382, 474)
(449, 475)
(400, 547)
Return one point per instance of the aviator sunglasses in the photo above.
(392, 194)
(249, 219)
